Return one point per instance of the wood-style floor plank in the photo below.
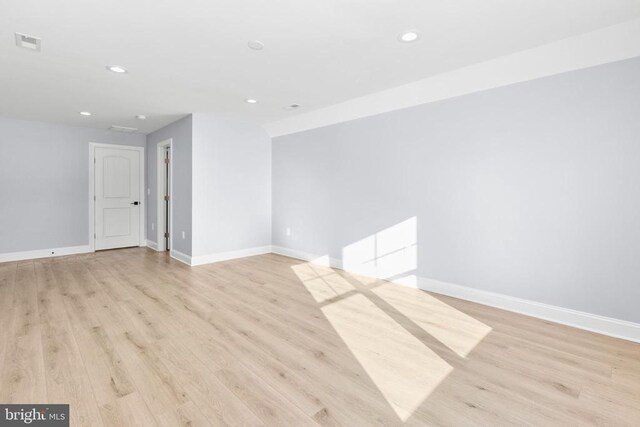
(66, 377)
(133, 337)
(22, 374)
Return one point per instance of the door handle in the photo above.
(135, 203)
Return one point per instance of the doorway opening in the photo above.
(164, 192)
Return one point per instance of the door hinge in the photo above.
(166, 160)
(94, 160)
(166, 234)
(94, 235)
(166, 198)
(94, 198)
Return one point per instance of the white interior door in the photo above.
(117, 198)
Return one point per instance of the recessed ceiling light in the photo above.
(292, 106)
(255, 45)
(116, 69)
(251, 101)
(141, 117)
(409, 36)
(85, 113)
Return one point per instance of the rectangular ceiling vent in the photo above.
(122, 129)
(28, 42)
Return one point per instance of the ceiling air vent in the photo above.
(122, 129)
(28, 42)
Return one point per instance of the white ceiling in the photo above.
(192, 56)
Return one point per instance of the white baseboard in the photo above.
(225, 256)
(578, 319)
(591, 322)
(184, 258)
(220, 256)
(305, 256)
(151, 244)
(44, 253)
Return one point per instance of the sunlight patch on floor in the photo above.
(365, 310)
(322, 283)
(402, 367)
(453, 328)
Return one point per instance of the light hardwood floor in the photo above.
(132, 337)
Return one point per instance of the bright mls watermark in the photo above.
(34, 415)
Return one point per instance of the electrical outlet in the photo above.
(148, 191)
(153, 226)
(183, 235)
(288, 231)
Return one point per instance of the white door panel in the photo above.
(118, 169)
(116, 222)
(117, 189)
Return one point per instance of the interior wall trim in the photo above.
(579, 319)
(219, 256)
(184, 258)
(44, 253)
(226, 256)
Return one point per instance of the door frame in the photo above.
(160, 186)
(92, 179)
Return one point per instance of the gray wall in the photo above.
(231, 185)
(44, 183)
(530, 190)
(181, 133)
(221, 184)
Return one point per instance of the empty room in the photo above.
(338, 213)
